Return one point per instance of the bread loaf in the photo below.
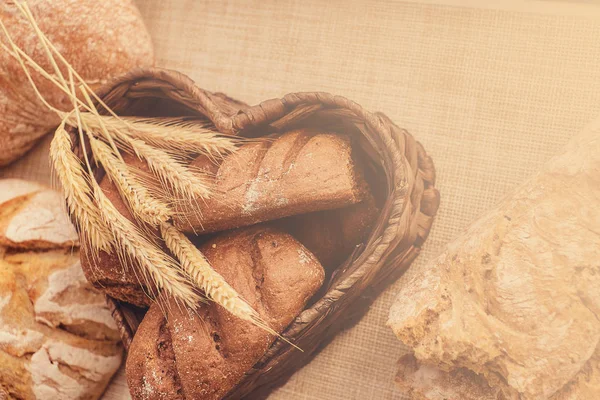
(100, 39)
(510, 309)
(57, 337)
(296, 173)
(203, 355)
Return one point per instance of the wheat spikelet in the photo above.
(154, 263)
(174, 134)
(75, 183)
(142, 204)
(173, 174)
(200, 271)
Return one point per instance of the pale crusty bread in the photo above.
(203, 355)
(57, 336)
(426, 382)
(101, 40)
(516, 298)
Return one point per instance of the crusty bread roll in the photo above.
(57, 336)
(511, 309)
(298, 172)
(203, 355)
(100, 39)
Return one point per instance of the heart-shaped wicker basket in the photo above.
(397, 166)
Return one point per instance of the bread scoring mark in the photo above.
(15, 341)
(12, 188)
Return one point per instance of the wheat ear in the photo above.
(154, 263)
(173, 134)
(172, 173)
(197, 267)
(141, 203)
(76, 185)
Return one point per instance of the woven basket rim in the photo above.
(402, 226)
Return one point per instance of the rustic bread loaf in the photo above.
(57, 337)
(514, 302)
(298, 172)
(101, 40)
(203, 355)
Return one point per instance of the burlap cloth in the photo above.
(492, 91)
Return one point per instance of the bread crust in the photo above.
(100, 39)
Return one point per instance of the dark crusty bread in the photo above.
(298, 172)
(204, 355)
(332, 235)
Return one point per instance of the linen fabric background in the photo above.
(491, 89)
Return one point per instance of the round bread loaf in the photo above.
(57, 337)
(100, 39)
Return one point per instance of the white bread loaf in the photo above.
(57, 337)
(511, 309)
(100, 39)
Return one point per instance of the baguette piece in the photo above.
(298, 172)
(515, 300)
(203, 355)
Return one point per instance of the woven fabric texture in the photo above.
(492, 91)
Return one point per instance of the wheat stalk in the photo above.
(142, 204)
(216, 288)
(173, 134)
(197, 267)
(75, 183)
